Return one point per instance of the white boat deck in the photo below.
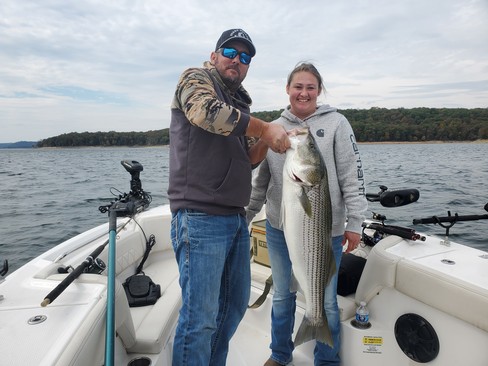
(447, 285)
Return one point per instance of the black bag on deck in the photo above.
(349, 273)
(141, 290)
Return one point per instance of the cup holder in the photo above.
(140, 361)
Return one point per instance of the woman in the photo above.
(336, 141)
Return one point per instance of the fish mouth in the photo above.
(300, 181)
(297, 179)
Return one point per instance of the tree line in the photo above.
(111, 138)
(370, 125)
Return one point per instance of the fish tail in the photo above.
(331, 265)
(294, 284)
(307, 332)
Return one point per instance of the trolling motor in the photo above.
(451, 220)
(387, 198)
(127, 204)
(134, 168)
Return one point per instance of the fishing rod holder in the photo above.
(455, 219)
(451, 220)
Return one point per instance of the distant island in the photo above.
(370, 125)
(18, 145)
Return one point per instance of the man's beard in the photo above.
(232, 82)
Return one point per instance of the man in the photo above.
(209, 186)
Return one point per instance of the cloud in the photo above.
(113, 65)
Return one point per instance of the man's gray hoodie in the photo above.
(337, 143)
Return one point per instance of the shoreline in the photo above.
(481, 141)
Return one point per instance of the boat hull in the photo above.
(446, 286)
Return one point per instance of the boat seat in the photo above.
(429, 281)
(445, 292)
(144, 329)
(379, 271)
(154, 324)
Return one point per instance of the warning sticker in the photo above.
(372, 344)
(378, 341)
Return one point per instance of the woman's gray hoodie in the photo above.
(335, 139)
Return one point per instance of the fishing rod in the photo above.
(402, 232)
(451, 218)
(88, 263)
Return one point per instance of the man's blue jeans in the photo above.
(213, 255)
(284, 303)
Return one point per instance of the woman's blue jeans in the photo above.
(284, 303)
(213, 255)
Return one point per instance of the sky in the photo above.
(112, 65)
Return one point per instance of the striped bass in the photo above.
(306, 219)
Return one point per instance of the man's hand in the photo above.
(275, 137)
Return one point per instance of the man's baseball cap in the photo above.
(236, 35)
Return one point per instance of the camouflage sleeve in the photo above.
(196, 97)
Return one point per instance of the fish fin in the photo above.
(305, 202)
(294, 284)
(331, 265)
(307, 332)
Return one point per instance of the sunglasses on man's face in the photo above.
(231, 53)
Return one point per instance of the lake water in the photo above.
(50, 195)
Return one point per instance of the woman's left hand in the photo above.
(352, 240)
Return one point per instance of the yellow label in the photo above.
(376, 341)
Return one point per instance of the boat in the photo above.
(427, 296)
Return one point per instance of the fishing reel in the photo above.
(381, 230)
(91, 265)
(96, 267)
(371, 240)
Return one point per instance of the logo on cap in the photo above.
(239, 33)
